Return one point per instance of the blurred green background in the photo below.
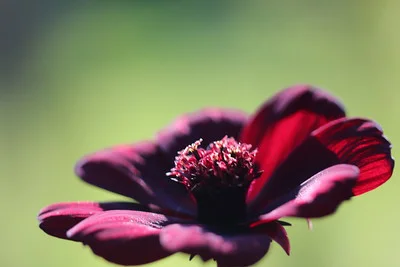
(83, 75)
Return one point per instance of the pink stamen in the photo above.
(225, 162)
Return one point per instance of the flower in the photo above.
(297, 156)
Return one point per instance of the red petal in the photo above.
(275, 231)
(137, 171)
(58, 218)
(351, 141)
(124, 237)
(318, 196)
(235, 250)
(359, 142)
(210, 124)
(283, 123)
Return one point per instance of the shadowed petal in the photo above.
(210, 124)
(58, 218)
(124, 237)
(283, 123)
(357, 142)
(275, 231)
(227, 250)
(318, 196)
(137, 171)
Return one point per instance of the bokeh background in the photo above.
(82, 75)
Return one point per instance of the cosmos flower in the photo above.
(217, 182)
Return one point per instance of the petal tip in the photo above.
(78, 168)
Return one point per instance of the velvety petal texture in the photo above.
(318, 196)
(124, 237)
(58, 218)
(210, 124)
(137, 171)
(275, 231)
(359, 142)
(283, 123)
(227, 250)
(310, 159)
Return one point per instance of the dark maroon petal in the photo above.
(58, 218)
(210, 124)
(137, 171)
(359, 142)
(275, 231)
(124, 237)
(283, 123)
(227, 250)
(318, 196)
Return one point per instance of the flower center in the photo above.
(218, 177)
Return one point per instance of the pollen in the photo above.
(218, 177)
(223, 163)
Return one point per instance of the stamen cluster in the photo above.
(223, 163)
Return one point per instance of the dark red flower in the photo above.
(298, 156)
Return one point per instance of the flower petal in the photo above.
(124, 237)
(283, 123)
(275, 231)
(137, 171)
(318, 196)
(357, 142)
(236, 250)
(210, 124)
(58, 218)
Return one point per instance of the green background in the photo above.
(85, 75)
